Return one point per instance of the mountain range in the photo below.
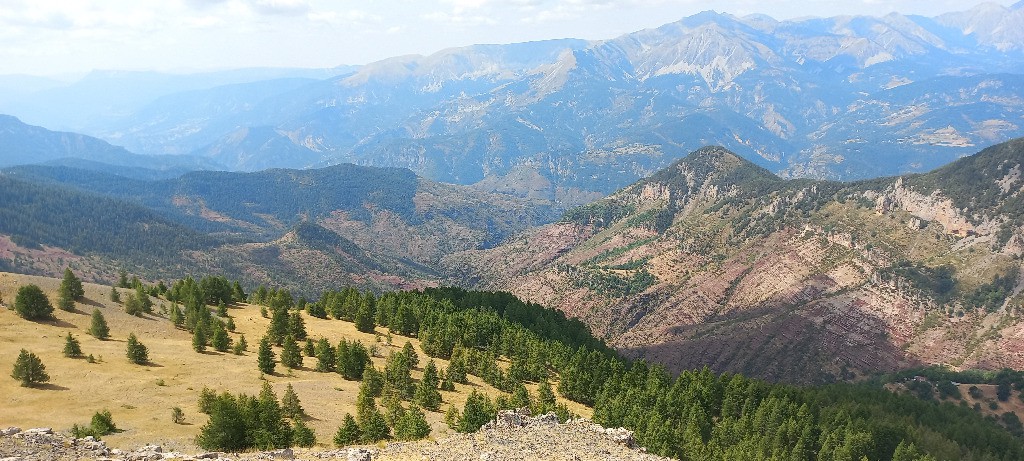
(712, 260)
(847, 97)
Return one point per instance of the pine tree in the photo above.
(72, 348)
(290, 404)
(122, 279)
(72, 284)
(176, 316)
(220, 340)
(372, 423)
(291, 356)
(240, 346)
(412, 425)
(348, 433)
(222, 310)
(325, 360)
(278, 327)
(145, 304)
(545, 398)
(137, 352)
(410, 353)
(115, 296)
(29, 369)
(397, 377)
(31, 304)
(199, 339)
(297, 326)
(365, 314)
(309, 349)
(427, 395)
(456, 372)
(98, 326)
(521, 397)
(302, 435)
(477, 412)
(373, 380)
(265, 357)
(64, 300)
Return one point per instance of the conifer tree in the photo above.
(265, 357)
(412, 425)
(230, 324)
(278, 327)
(456, 372)
(29, 369)
(365, 315)
(98, 326)
(545, 398)
(136, 352)
(222, 310)
(240, 346)
(115, 296)
(64, 300)
(302, 435)
(72, 348)
(521, 397)
(291, 356)
(410, 353)
(373, 380)
(290, 404)
(427, 395)
(477, 412)
(176, 316)
(297, 326)
(397, 377)
(145, 304)
(31, 304)
(309, 349)
(72, 285)
(122, 279)
(220, 340)
(372, 424)
(348, 433)
(199, 339)
(325, 360)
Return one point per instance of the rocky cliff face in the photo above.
(714, 261)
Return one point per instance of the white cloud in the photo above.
(281, 7)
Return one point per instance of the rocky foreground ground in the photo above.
(511, 436)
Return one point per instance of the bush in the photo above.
(177, 416)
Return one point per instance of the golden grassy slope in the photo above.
(140, 398)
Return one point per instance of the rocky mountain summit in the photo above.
(513, 435)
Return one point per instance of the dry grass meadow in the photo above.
(140, 397)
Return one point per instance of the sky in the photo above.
(54, 38)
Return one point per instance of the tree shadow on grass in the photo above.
(59, 323)
(50, 387)
(89, 302)
(152, 365)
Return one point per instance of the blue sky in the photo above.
(48, 37)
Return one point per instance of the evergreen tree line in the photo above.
(243, 422)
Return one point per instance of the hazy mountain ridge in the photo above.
(716, 261)
(845, 97)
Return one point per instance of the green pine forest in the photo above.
(697, 415)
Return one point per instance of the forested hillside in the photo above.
(466, 354)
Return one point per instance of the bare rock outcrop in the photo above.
(513, 435)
